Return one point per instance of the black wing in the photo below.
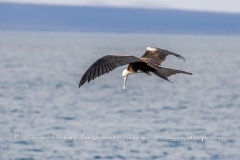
(158, 55)
(105, 65)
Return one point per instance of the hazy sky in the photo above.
(200, 5)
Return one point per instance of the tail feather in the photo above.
(166, 72)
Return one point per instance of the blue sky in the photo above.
(232, 6)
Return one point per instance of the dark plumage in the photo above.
(149, 62)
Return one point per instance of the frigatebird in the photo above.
(149, 62)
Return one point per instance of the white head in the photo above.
(125, 74)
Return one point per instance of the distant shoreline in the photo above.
(111, 32)
(14, 16)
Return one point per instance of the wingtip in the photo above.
(187, 73)
(169, 80)
(184, 59)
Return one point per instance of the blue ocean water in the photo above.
(44, 115)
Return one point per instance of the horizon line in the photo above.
(118, 7)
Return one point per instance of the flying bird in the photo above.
(150, 61)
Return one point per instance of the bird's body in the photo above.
(149, 62)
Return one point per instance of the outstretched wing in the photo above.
(158, 55)
(105, 65)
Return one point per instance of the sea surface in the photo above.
(44, 115)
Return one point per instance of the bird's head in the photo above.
(125, 74)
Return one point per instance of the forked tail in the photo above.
(166, 72)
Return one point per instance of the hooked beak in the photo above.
(125, 81)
